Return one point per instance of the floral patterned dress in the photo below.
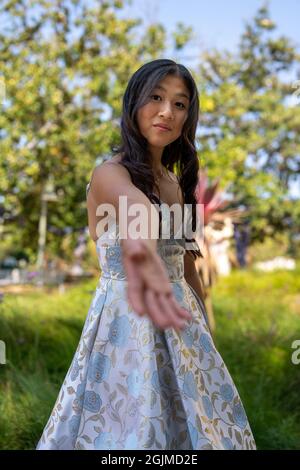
(133, 386)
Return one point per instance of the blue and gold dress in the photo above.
(133, 386)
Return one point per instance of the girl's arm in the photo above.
(191, 275)
(111, 180)
(149, 290)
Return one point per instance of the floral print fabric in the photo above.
(133, 386)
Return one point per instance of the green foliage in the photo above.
(182, 35)
(249, 130)
(269, 248)
(63, 93)
(65, 71)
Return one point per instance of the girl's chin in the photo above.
(158, 144)
(160, 141)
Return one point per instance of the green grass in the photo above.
(41, 332)
(258, 318)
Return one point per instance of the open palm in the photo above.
(149, 289)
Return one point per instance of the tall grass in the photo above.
(258, 317)
(41, 333)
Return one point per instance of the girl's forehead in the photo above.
(172, 81)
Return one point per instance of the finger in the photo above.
(176, 320)
(154, 310)
(182, 312)
(134, 288)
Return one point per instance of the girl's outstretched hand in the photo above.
(149, 289)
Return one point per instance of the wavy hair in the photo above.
(179, 156)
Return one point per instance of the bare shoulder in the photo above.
(107, 173)
(109, 181)
(112, 163)
(115, 159)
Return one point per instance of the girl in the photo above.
(146, 373)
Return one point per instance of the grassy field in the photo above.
(258, 318)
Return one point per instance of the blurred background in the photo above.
(64, 66)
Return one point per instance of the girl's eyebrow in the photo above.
(177, 94)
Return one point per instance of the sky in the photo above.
(217, 23)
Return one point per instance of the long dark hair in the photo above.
(179, 155)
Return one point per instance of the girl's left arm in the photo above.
(191, 276)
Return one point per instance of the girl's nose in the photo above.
(166, 110)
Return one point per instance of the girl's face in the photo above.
(167, 105)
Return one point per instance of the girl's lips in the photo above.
(162, 128)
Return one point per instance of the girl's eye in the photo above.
(183, 106)
(152, 96)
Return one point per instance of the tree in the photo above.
(65, 65)
(249, 129)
